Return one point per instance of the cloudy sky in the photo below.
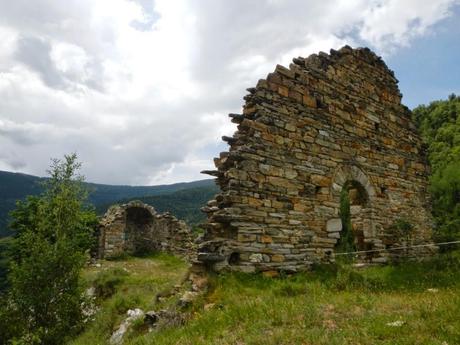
(141, 89)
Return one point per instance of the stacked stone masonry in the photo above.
(136, 227)
(306, 131)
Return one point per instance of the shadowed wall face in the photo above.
(305, 133)
(139, 236)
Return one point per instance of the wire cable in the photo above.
(399, 248)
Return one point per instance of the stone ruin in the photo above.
(136, 228)
(327, 122)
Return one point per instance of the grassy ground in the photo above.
(411, 303)
(127, 284)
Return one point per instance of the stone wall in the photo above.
(136, 227)
(306, 131)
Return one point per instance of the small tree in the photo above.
(346, 242)
(403, 231)
(54, 232)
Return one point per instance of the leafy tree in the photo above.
(54, 233)
(439, 125)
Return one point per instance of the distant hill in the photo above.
(185, 204)
(16, 186)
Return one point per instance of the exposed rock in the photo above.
(209, 306)
(89, 307)
(187, 298)
(151, 318)
(133, 315)
(397, 323)
(199, 282)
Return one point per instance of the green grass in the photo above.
(331, 305)
(128, 284)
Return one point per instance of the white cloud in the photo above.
(141, 88)
(393, 23)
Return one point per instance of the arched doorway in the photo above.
(354, 200)
(139, 225)
(353, 192)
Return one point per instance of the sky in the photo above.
(141, 89)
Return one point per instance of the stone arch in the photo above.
(351, 173)
(361, 207)
(139, 222)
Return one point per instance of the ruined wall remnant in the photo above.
(136, 227)
(326, 122)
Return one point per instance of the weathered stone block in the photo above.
(266, 239)
(283, 91)
(244, 237)
(278, 258)
(320, 180)
(334, 225)
(309, 101)
(256, 258)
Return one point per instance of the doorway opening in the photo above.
(139, 225)
(353, 201)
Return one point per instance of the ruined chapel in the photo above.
(136, 228)
(328, 122)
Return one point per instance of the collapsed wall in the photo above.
(136, 227)
(307, 131)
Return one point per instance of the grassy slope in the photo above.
(136, 282)
(328, 306)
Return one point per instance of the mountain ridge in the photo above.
(16, 186)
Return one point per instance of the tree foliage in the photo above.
(439, 125)
(346, 242)
(53, 234)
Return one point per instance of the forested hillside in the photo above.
(184, 204)
(439, 125)
(16, 186)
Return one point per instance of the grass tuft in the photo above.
(106, 282)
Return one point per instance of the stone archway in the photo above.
(138, 230)
(361, 194)
(357, 205)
